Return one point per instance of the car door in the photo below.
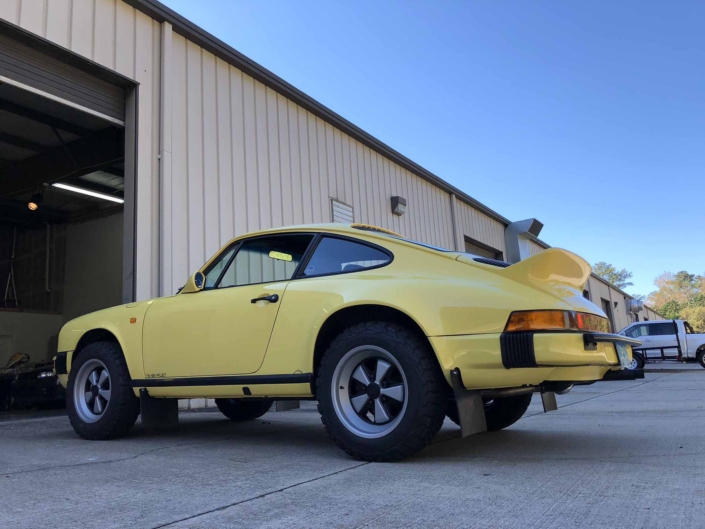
(223, 329)
(663, 334)
(641, 332)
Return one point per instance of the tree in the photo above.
(680, 296)
(695, 316)
(619, 278)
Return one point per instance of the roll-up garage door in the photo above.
(482, 251)
(22, 64)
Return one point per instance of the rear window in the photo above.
(338, 256)
(662, 329)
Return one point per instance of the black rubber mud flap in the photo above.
(471, 409)
(548, 399)
(158, 413)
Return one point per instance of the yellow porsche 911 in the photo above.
(389, 335)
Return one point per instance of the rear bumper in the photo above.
(510, 360)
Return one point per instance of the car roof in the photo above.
(379, 235)
(334, 227)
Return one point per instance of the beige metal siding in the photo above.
(110, 32)
(534, 248)
(478, 226)
(246, 158)
(621, 317)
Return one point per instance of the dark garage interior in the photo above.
(61, 233)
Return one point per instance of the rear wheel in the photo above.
(701, 357)
(499, 413)
(243, 409)
(100, 401)
(381, 394)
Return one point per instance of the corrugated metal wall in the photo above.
(534, 248)
(246, 158)
(243, 157)
(118, 37)
(476, 225)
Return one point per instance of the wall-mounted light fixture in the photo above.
(398, 205)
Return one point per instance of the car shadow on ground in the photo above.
(295, 430)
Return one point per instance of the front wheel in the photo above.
(499, 413)
(381, 393)
(100, 401)
(701, 357)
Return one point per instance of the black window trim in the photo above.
(240, 242)
(305, 258)
(323, 235)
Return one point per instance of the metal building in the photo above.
(125, 99)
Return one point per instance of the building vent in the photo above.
(342, 212)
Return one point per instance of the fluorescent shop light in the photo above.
(89, 193)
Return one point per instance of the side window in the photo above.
(638, 331)
(335, 256)
(215, 269)
(264, 260)
(661, 329)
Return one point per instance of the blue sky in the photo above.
(589, 116)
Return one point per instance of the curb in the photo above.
(673, 370)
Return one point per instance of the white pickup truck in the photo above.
(665, 340)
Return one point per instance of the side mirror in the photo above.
(195, 283)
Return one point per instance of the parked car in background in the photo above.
(388, 334)
(665, 340)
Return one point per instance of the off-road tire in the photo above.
(701, 357)
(124, 407)
(426, 393)
(243, 409)
(499, 413)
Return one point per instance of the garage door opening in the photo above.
(64, 227)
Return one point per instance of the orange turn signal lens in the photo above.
(556, 320)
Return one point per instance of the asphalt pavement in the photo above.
(616, 454)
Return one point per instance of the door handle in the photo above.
(271, 299)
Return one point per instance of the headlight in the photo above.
(556, 320)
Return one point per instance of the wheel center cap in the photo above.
(374, 391)
(95, 390)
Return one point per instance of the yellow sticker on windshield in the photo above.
(280, 256)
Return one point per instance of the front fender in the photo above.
(124, 322)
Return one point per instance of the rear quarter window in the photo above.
(340, 256)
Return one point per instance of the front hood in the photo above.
(559, 273)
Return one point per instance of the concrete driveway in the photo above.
(621, 454)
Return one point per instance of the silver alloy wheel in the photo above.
(91, 391)
(634, 364)
(369, 391)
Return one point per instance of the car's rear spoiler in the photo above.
(546, 270)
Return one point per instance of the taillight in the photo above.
(556, 320)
